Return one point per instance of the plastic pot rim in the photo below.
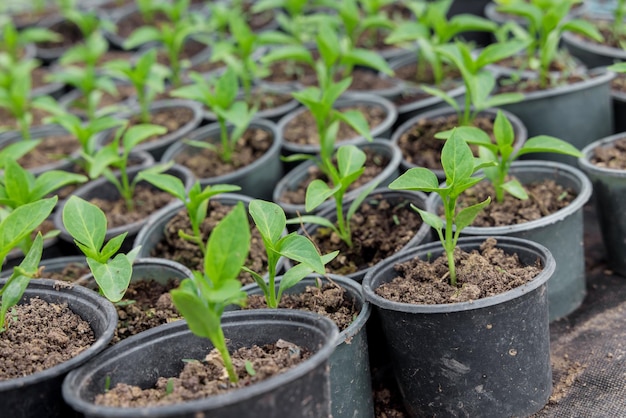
(586, 165)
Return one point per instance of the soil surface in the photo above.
(619, 83)
(303, 129)
(480, 274)
(379, 228)
(329, 300)
(374, 165)
(70, 35)
(38, 336)
(419, 145)
(188, 254)
(200, 379)
(147, 200)
(171, 118)
(613, 156)
(544, 198)
(206, 163)
(70, 273)
(51, 149)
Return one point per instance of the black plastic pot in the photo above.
(609, 188)
(302, 391)
(257, 179)
(350, 379)
(102, 188)
(486, 358)
(39, 394)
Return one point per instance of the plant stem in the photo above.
(221, 348)
(448, 245)
(342, 224)
(226, 148)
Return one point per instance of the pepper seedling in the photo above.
(87, 225)
(109, 157)
(546, 21)
(146, 75)
(270, 221)
(219, 95)
(350, 167)
(502, 154)
(202, 298)
(196, 200)
(459, 166)
(13, 41)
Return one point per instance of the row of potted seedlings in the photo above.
(345, 218)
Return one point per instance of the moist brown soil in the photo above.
(480, 274)
(207, 66)
(205, 163)
(39, 77)
(374, 165)
(190, 49)
(171, 118)
(544, 198)
(409, 72)
(72, 272)
(50, 150)
(201, 379)
(613, 156)
(379, 229)
(134, 20)
(329, 300)
(9, 123)
(123, 94)
(619, 82)
(605, 28)
(70, 35)
(303, 129)
(38, 336)
(188, 254)
(146, 304)
(147, 200)
(419, 145)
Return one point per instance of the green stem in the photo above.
(343, 224)
(24, 126)
(226, 149)
(272, 300)
(221, 348)
(127, 190)
(448, 245)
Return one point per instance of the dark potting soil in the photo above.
(544, 198)
(172, 247)
(201, 379)
(147, 200)
(379, 229)
(619, 83)
(480, 274)
(205, 162)
(38, 336)
(70, 35)
(51, 149)
(72, 272)
(303, 129)
(171, 118)
(374, 165)
(613, 156)
(409, 72)
(190, 49)
(146, 304)
(328, 300)
(419, 145)
(129, 23)
(107, 100)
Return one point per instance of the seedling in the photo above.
(459, 166)
(479, 82)
(350, 167)
(358, 17)
(146, 76)
(432, 29)
(271, 222)
(202, 298)
(19, 187)
(502, 155)
(13, 41)
(109, 157)
(546, 22)
(219, 95)
(196, 200)
(87, 224)
(617, 28)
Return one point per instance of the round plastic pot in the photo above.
(302, 391)
(296, 177)
(350, 378)
(488, 357)
(103, 189)
(409, 110)
(353, 99)
(519, 129)
(39, 394)
(609, 189)
(52, 265)
(578, 113)
(158, 146)
(418, 199)
(257, 179)
(561, 232)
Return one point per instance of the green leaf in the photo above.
(50, 181)
(166, 182)
(369, 59)
(545, 143)
(299, 248)
(18, 182)
(430, 218)
(356, 121)
(139, 133)
(85, 222)
(350, 159)
(228, 246)
(499, 51)
(516, 189)
(503, 131)
(269, 219)
(417, 179)
(583, 27)
(143, 35)
(457, 159)
(356, 203)
(466, 216)
(112, 247)
(311, 219)
(317, 193)
(199, 317)
(296, 53)
(471, 135)
(113, 276)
